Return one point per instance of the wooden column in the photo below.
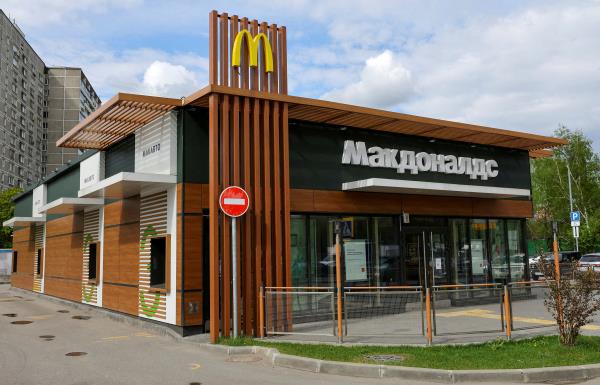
(248, 147)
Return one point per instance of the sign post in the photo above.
(575, 223)
(234, 202)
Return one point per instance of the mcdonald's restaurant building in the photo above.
(134, 226)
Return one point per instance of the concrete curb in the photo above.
(533, 375)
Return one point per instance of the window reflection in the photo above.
(479, 255)
(498, 250)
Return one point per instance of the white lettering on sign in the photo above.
(150, 150)
(357, 153)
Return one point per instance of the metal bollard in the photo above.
(428, 316)
(507, 312)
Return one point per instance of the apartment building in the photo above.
(38, 104)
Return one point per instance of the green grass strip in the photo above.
(499, 354)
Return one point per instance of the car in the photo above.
(589, 262)
(565, 258)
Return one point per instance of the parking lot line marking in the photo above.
(115, 338)
(39, 317)
(195, 366)
(146, 335)
(482, 313)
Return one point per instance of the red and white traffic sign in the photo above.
(234, 201)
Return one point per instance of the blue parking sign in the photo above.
(575, 216)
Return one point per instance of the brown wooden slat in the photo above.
(274, 77)
(244, 71)
(254, 70)
(257, 225)
(226, 222)
(213, 155)
(224, 49)
(213, 56)
(234, 78)
(249, 287)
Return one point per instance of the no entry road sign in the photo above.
(234, 201)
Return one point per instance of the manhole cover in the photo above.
(21, 322)
(243, 358)
(46, 336)
(75, 354)
(62, 311)
(385, 357)
(81, 317)
(12, 315)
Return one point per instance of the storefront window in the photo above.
(460, 251)
(479, 255)
(300, 260)
(386, 253)
(499, 257)
(516, 253)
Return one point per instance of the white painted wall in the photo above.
(39, 199)
(156, 146)
(100, 284)
(172, 229)
(91, 170)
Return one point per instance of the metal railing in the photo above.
(527, 308)
(299, 310)
(383, 311)
(405, 311)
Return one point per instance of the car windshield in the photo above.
(590, 258)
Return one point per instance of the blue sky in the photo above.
(522, 65)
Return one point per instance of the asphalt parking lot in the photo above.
(53, 347)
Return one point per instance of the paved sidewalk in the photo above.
(117, 353)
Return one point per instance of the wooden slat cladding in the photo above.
(223, 30)
(63, 257)
(248, 147)
(23, 243)
(323, 201)
(121, 255)
(91, 234)
(190, 240)
(153, 223)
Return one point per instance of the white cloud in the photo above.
(163, 78)
(384, 82)
(43, 13)
(527, 71)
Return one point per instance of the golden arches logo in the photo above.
(252, 45)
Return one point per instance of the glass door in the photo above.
(426, 257)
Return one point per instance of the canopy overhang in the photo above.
(116, 119)
(127, 184)
(125, 113)
(23, 221)
(69, 205)
(433, 188)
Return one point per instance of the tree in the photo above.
(550, 190)
(7, 209)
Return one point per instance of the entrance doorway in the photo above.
(426, 257)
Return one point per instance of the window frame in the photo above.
(15, 261)
(96, 279)
(166, 288)
(38, 255)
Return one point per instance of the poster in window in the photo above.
(355, 252)
(479, 262)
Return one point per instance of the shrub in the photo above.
(572, 301)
